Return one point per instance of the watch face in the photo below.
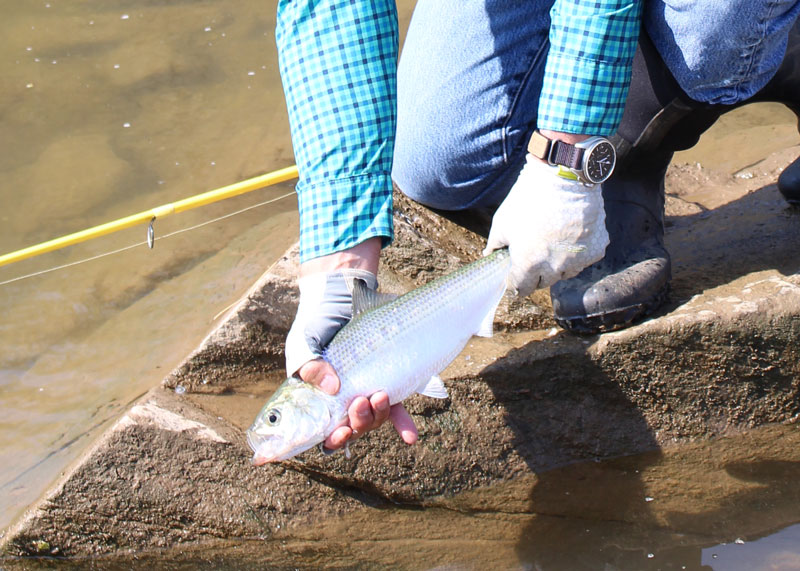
(600, 163)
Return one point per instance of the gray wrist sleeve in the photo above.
(326, 305)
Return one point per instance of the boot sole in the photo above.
(613, 320)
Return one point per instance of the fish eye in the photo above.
(273, 416)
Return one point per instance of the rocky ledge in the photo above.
(721, 358)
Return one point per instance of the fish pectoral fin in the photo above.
(487, 325)
(486, 328)
(433, 388)
(365, 299)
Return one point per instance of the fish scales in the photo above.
(415, 337)
(398, 347)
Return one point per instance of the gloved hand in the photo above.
(553, 227)
(326, 305)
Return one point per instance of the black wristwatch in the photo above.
(591, 161)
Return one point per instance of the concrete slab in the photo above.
(720, 359)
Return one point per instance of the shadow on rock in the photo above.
(590, 430)
(758, 231)
(564, 410)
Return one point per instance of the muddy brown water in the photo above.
(111, 108)
(731, 504)
(108, 109)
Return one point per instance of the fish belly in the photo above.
(398, 347)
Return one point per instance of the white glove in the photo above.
(326, 305)
(554, 227)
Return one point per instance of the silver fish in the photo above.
(397, 346)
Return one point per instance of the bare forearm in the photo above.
(363, 256)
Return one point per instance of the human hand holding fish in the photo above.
(325, 306)
(364, 414)
(554, 227)
(397, 346)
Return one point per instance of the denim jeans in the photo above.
(470, 75)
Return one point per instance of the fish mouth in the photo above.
(255, 441)
(258, 444)
(260, 460)
(252, 440)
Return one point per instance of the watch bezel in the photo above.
(589, 147)
(545, 149)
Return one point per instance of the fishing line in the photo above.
(146, 242)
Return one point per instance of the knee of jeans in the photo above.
(439, 168)
(722, 52)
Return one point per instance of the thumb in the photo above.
(495, 241)
(321, 374)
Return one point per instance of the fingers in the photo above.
(380, 406)
(338, 438)
(404, 424)
(495, 241)
(320, 374)
(523, 284)
(368, 414)
(363, 415)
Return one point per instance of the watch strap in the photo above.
(567, 155)
(555, 152)
(539, 146)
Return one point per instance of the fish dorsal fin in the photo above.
(365, 299)
(433, 388)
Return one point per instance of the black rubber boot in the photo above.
(789, 183)
(785, 88)
(632, 280)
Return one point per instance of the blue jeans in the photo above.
(471, 72)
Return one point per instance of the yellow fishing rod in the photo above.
(149, 216)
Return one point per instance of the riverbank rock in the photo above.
(721, 358)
